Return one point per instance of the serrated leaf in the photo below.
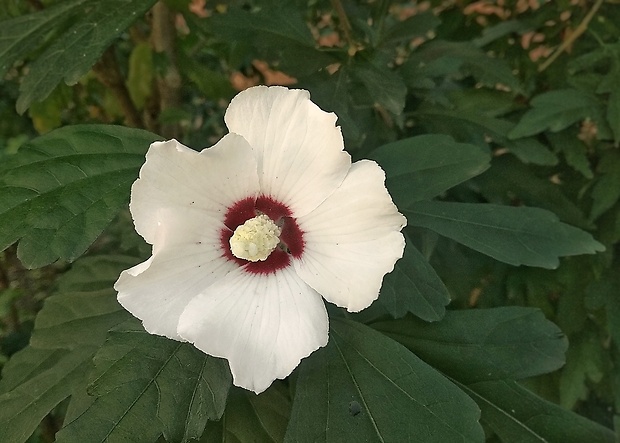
(517, 415)
(365, 387)
(148, 385)
(484, 344)
(62, 189)
(21, 35)
(251, 418)
(414, 286)
(75, 51)
(513, 235)
(23, 408)
(68, 331)
(424, 166)
(557, 110)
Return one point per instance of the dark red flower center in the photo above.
(291, 237)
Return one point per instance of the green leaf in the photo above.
(251, 418)
(140, 76)
(574, 150)
(508, 178)
(384, 86)
(484, 344)
(604, 293)
(148, 385)
(530, 150)
(557, 110)
(424, 166)
(517, 415)
(23, 407)
(414, 286)
(440, 58)
(584, 364)
(283, 23)
(513, 235)
(21, 35)
(606, 190)
(365, 387)
(464, 121)
(613, 112)
(279, 33)
(75, 51)
(62, 189)
(67, 332)
(417, 25)
(27, 364)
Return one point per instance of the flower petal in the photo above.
(177, 176)
(352, 240)
(187, 259)
(264, 324)
(298, 147)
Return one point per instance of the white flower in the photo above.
(249, 234)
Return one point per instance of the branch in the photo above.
(583, 27)
(108, 73)
(163, 39)
(345, 25)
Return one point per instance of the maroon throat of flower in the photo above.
(291, 241)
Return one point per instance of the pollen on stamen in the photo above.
(255, 239)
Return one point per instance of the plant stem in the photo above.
(583, 27)
(108, 73)
(163, 39)
(345, 25)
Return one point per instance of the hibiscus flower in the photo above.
(249, 235)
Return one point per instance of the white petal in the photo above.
(352, 240)
(298, 147)
(263, 324)
(186, 260)
(177, 176)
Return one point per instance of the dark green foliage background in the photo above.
(501, 323)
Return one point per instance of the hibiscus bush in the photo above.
(408, 236)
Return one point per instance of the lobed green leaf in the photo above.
(251, 418)
(76, 50)
(21, 35)
(366, 387)
(414, 286)
(67, 333)
(62, 189)
(517, 415)
(148, 385)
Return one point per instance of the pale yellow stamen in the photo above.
(255, 239)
